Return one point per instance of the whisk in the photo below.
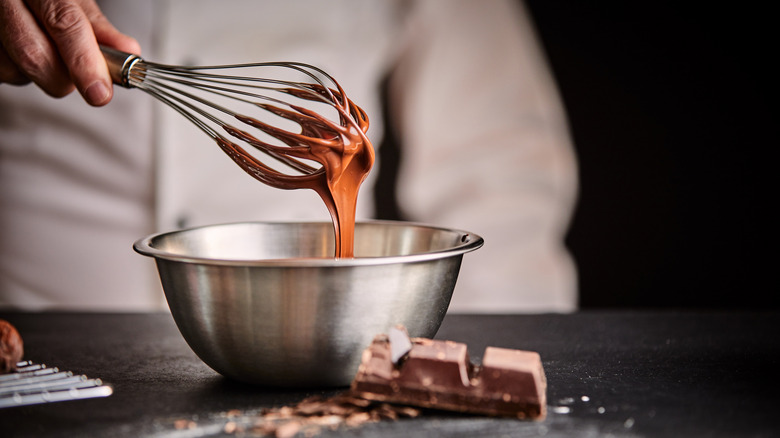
(207, 97)
(331, 129)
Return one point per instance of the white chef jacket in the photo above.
(485, 149)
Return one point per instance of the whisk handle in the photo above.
(119, 64)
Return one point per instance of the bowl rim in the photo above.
(469, 242)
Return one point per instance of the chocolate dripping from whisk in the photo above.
(343, 150)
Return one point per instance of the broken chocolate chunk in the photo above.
(11, 347)
(400, 344)
(439, 375)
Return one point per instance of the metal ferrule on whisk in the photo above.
(119, 64)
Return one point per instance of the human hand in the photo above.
(54, 43)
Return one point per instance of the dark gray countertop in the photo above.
(615, 373)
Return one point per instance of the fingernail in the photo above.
(97, 93)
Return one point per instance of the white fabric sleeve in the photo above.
(486, 149)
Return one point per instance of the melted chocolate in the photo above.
(342, 149)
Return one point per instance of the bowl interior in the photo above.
(267, 303)
(253, 241)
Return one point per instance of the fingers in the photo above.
(28, 55)
(9, 73)
(67, 24)
(54, 43)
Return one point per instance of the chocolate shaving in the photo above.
(311, 415)
(400, 344)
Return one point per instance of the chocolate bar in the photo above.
(439, 375)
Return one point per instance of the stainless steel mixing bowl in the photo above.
(267, 303)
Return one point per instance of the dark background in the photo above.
(669, 107)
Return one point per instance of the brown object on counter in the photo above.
(439, 375)
(310, 416)
(11, 347)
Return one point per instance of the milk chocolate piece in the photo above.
(439, 375)
(400, 344)
(11, 347)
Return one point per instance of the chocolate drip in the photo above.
(342, 149)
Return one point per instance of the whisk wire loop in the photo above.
(202, 93)
(209, 97)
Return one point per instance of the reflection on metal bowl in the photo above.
(267, 303)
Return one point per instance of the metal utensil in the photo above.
(266, 303)
(291, 111)
(290, 104)
(36, 383)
